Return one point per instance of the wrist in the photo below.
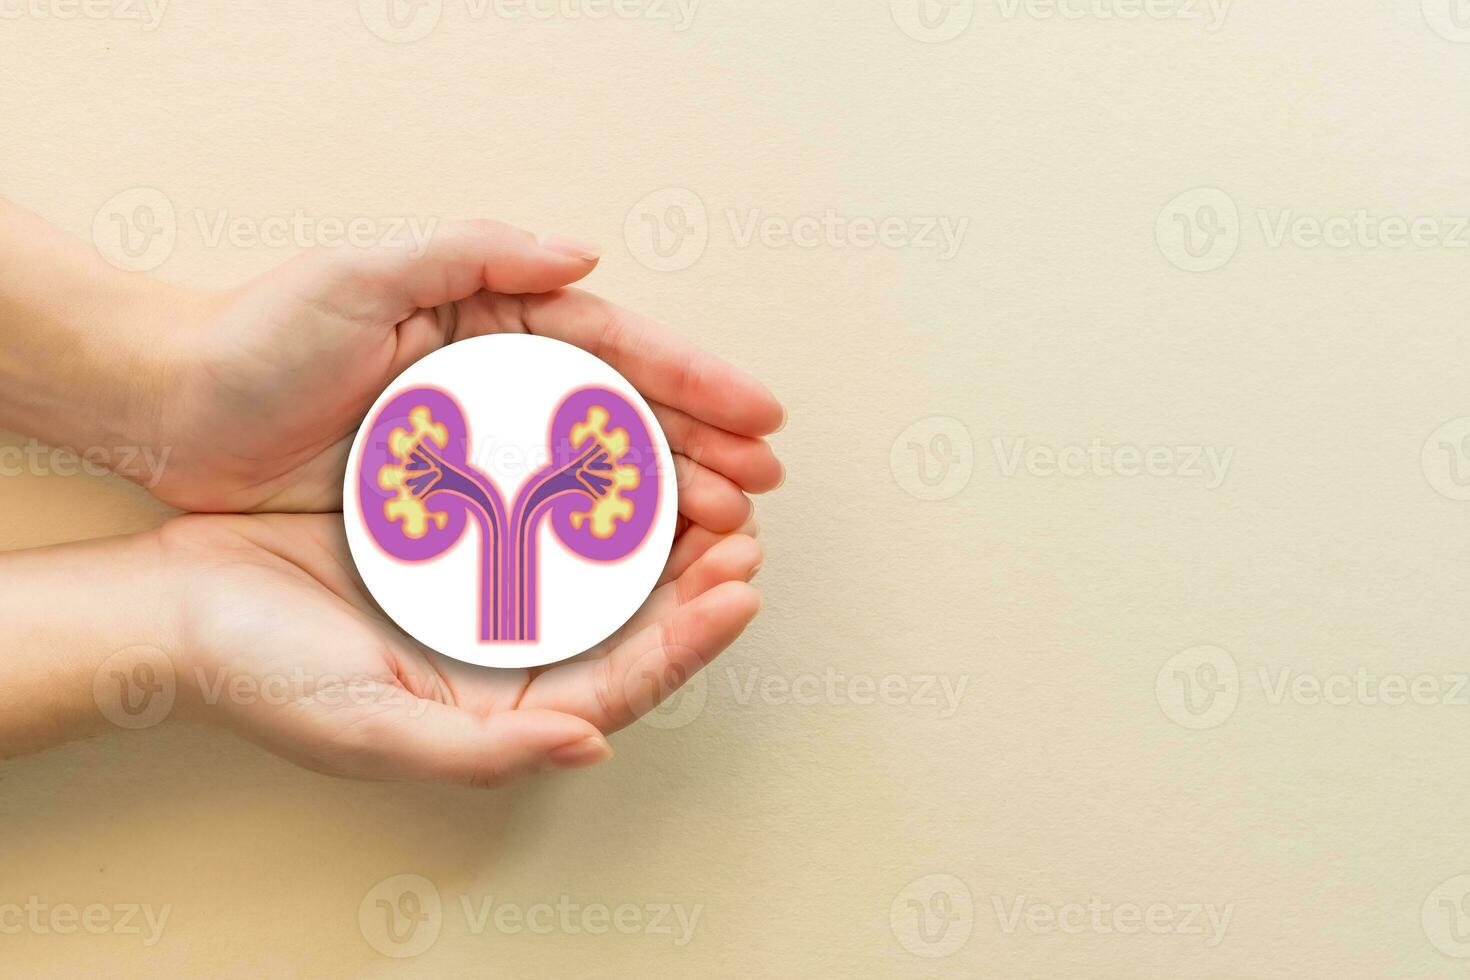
(87, 350)
(148, 334)
(81, 668)
(137, 674)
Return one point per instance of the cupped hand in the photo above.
(262, 396)
(276, 638)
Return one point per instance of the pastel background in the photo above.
(1009, 712)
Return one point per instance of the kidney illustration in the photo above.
(418, 491)
(593, 484)
(598, 502)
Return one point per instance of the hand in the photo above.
(276, 637)
(262, 399)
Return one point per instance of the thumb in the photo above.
(454, 260)
(425, 740)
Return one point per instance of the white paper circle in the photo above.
(467, 596)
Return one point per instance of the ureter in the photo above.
(525, 574)
(490, 538)
(491, 516)
(527, 627)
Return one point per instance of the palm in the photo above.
(300, 660)
(266, 421)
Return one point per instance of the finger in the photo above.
(661, 364)
(736, 558)
(424, 740)
(749, 462)
(472, 687)
(456, 260)
(635, 677)
(690, 545)
(709, 499)
(733, 558)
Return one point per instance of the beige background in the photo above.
(798, 820)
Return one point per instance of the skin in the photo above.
(255, 394)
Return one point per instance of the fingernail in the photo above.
(587, 752)
(576, 248)
(785, 417)
(782, 482)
